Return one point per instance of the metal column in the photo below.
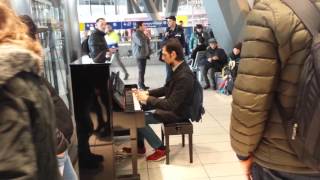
(227, 19)
(171, 8)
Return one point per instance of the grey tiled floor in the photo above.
(213, 156)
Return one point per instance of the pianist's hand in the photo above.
(142, 96)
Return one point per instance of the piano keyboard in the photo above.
(131, 102)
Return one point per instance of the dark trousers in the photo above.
(205, 70)
(142, 69)
(261, 173)
(169, 72)
(84, 125)
(97, 109)
(116, 57)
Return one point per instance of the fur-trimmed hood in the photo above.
(15, 59)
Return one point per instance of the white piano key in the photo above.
(136, 103)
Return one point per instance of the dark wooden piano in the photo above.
(86, 77)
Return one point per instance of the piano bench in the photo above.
(177, 129)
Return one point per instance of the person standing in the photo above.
(64, 129)
(141, 51)
(173, 31)
(113, 40)
(27, 118)
(276, 48)
(98, 52)
(98, 48)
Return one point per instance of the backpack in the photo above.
(303, 126)
(196, 108)
(85, 47)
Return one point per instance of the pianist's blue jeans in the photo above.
(148, 134)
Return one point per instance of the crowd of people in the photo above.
(268, 70)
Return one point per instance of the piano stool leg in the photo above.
(162, 135)
(190, 148)
(182, 140)
(167, 149)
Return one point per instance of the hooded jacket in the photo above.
(275, 47)
(27, 118)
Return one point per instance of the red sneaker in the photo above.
(158, 155)
(141, 151)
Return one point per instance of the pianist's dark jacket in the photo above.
(177, 95)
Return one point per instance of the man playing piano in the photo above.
(171, 102)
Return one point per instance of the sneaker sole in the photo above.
(160, 159)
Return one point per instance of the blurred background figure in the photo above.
(235, 59)
(113, 40)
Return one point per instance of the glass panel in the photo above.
(48, 15)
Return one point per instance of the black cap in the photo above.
(199, 26)
(172, 18)
(212, 40)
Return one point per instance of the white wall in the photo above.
(109, 15)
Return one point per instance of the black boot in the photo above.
(96, 157)
(206, 86)
(88, 163)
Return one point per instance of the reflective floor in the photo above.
(213, 156)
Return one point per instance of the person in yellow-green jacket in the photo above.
(113, 40)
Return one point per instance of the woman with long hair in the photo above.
(26, 110)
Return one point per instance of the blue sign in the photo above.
(155, 24)
(127, 25)
(89, 26)
(131, 24)
(116, 25)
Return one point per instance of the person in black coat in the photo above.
(235, 59)
(171, 102)
(216, 59)
(98, 48)
(173, 31)
(200, 47)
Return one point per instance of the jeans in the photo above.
(65, 167)
(261, 173)
(148, 134)
(116, 56)
(142, 69)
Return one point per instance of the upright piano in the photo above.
(86, 77)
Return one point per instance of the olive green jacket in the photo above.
(275, 47)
